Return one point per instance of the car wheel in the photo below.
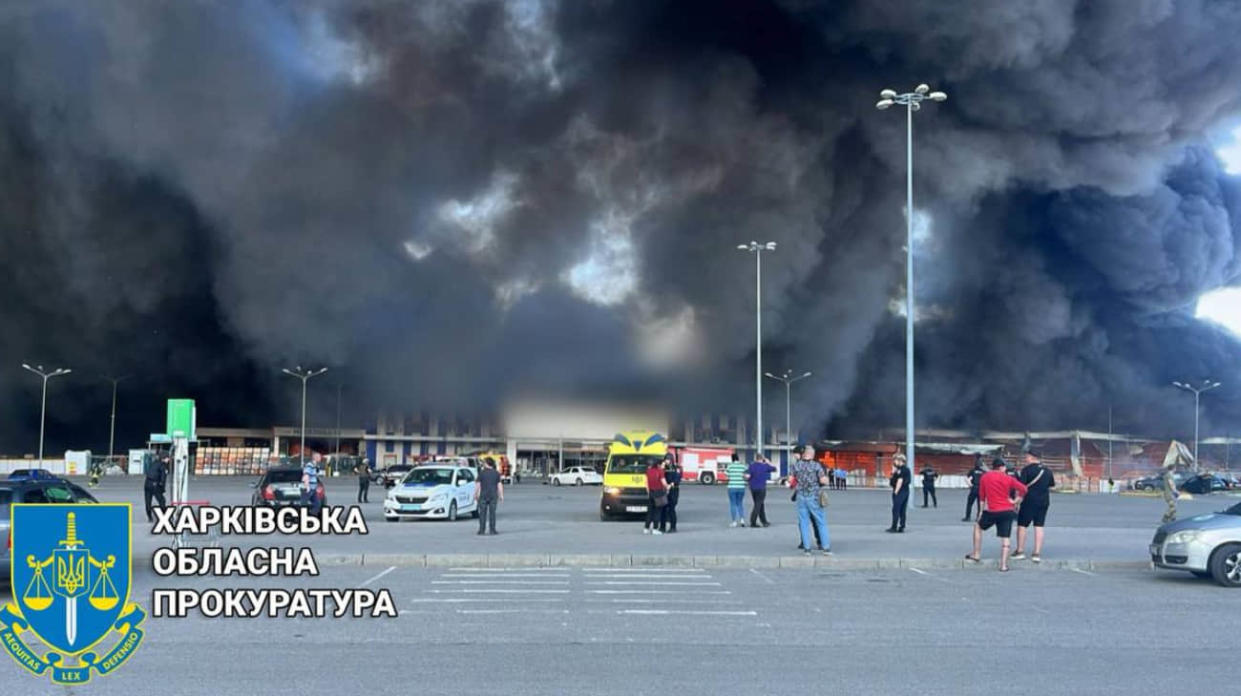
(452, 511)
(1204, 574)
(577, 482)
(706, 479)
(555, 482)
(389, 519)
(604, 517)
(474, 514)
(1226, 565)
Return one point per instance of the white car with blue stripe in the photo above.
(436, 492)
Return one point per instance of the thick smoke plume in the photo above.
(451, 201)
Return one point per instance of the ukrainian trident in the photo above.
(55, 582)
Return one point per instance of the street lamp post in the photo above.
(305, 376)
(112, 423)
(1207, 385)
(38, 370)
(758, 250)
(788, 380)
(912, 101)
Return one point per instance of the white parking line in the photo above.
(499, 582)
(759, 573)
(653, 582)
(679, 600)
(684, 612)
(389, 570)
(530, 569)
(680, 592)
(502, 575)
(1083, 572)
(512, 611)
(472, 600)
(479, 590)
(644, 575)
(642, 570)
(919, 571)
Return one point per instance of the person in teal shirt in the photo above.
(736, 491)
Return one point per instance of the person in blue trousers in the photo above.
(808, 478)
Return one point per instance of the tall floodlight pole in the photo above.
(112, 423)
(38, 370)
(758, 250)
(305, 376)
(788, 380)
(912, 101)
(1207, 385)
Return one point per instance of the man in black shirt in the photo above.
(975, 476)
(489, 492)
(928, 485)
(899, 481)
(156, 480)
(1040, 481)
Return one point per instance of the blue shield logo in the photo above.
(71, 575)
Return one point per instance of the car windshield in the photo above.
(19, 472)
(632, 463)
(1234, 510)
(429, 475)
(287, 476)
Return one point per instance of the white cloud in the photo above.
(1222, 307)
(1230, 153)
(607, 275)
(478, 217)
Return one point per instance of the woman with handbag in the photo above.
(656, 495)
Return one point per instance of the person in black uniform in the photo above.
(672, 477)
(899, 481)
(1039, 480)
(156, 481)
(975, 476)
(929, 474)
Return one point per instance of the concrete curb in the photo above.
(544, 560)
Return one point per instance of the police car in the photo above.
(442, 492)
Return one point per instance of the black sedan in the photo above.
(41, 491)
(282, 486)
(1204, 483)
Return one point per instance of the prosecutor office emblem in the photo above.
(71, 573)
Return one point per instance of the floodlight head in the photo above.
(743, 247)
(771, 375)
(1178, 384)
(922, 88)
(888, 94)
(771, 246)
(63, 371)
(915, 106)
(807, 374)
(28, 367)
(937, 96)
(884, 104)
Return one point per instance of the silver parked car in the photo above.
(1208, 546)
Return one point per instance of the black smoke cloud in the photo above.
(448, 201)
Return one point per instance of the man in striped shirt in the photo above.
(736, 491)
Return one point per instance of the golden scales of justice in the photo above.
(73, 564)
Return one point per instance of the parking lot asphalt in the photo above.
(543, 525)
(699, 631)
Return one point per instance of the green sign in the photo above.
(181, 418)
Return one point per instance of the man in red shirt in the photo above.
(998, 509)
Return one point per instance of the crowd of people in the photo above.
(1002, 498)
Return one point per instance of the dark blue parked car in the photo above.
(33, 475)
